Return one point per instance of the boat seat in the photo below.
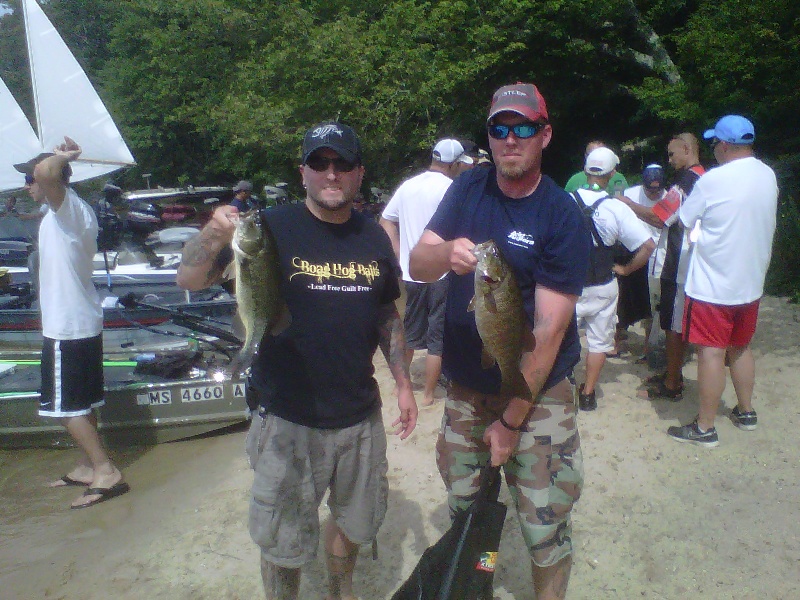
(172, 235)
(131, 257)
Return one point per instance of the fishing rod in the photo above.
(183, 319)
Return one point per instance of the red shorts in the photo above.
(717, 325)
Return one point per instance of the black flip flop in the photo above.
(68, 482)
(105, 493)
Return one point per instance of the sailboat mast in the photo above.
(37, 115)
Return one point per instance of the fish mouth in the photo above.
(487, 279)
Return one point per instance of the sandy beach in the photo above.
(657, 519)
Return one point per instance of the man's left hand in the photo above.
(407, 420)
(69, 149)
(501, 441)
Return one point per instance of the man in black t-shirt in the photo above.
(319, 425)
(683, 152)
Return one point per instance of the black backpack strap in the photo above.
(601, 257)
(588, 211)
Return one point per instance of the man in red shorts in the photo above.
(731, 215)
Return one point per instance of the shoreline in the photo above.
(657, 519)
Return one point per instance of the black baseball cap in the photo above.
(28, 166)
(334, 135)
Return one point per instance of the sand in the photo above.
(657, 519)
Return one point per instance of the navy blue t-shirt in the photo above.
(336, 278)
(542, 237)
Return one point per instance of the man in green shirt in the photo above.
(578, 181)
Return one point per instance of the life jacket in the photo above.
(601, 258)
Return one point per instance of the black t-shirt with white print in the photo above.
(335, 278)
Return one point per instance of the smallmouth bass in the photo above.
(500, 317)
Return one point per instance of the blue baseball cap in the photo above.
(653, 177)
(733, 129)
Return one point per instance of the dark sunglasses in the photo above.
(29, 180)
(322, 163)
(522, 131)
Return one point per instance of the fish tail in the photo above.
(240, 362)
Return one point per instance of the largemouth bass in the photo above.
(500, 317)
(258, 281)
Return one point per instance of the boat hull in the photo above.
(21, 329)
(135, 413)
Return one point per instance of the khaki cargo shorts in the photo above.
(294, 466)
(544, 475)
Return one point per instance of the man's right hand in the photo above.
(224, 219)
(462, 260)
(199, 269)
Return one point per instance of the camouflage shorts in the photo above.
(544, 475)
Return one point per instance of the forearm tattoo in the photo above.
(204, 250)
(392, 338)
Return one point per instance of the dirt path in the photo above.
(657, 519)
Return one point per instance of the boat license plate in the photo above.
(202, 393)
(156, 398)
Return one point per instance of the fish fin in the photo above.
(487, 360)
(471, 305)
(230, 271)
(239, 363)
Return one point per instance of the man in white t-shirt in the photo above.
(648, 194)
(611, 222)
(735, 205)
(72, 321)
(404, 219)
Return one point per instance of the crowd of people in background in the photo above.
(687, 254)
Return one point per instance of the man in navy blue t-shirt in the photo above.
(540, 233)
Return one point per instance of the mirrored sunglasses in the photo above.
(522, 131)
(29, 180)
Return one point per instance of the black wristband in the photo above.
(505, 424)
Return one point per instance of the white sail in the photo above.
(67, 104)
(18, 141)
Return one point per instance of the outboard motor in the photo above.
(276, 194)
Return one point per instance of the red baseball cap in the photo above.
(521, 98)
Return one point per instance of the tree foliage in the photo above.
(214, 90)
(210, 91)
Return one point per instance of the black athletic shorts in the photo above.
(72, 377)
(423, 320)
(671, 307)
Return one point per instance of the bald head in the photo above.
(683, 151)
(593, 145)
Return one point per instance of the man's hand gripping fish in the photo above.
(258, 281)
(500, 317)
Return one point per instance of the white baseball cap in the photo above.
(450, 151)
(601, 161)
